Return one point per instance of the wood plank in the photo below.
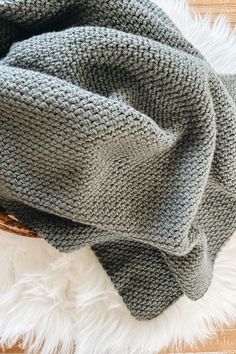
(216, 8)
(13, 350)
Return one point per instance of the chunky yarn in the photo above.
(116, 133)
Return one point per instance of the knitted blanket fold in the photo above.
(116, 133)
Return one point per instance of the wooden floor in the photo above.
(225, 340)
(216, 7)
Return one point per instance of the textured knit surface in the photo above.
(116, 133)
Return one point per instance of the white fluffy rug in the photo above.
(55, 301)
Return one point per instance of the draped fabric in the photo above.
(116, 133)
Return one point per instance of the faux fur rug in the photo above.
(55, 301)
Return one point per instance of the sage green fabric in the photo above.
(116, 133)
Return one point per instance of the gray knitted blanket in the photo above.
(116, 133)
